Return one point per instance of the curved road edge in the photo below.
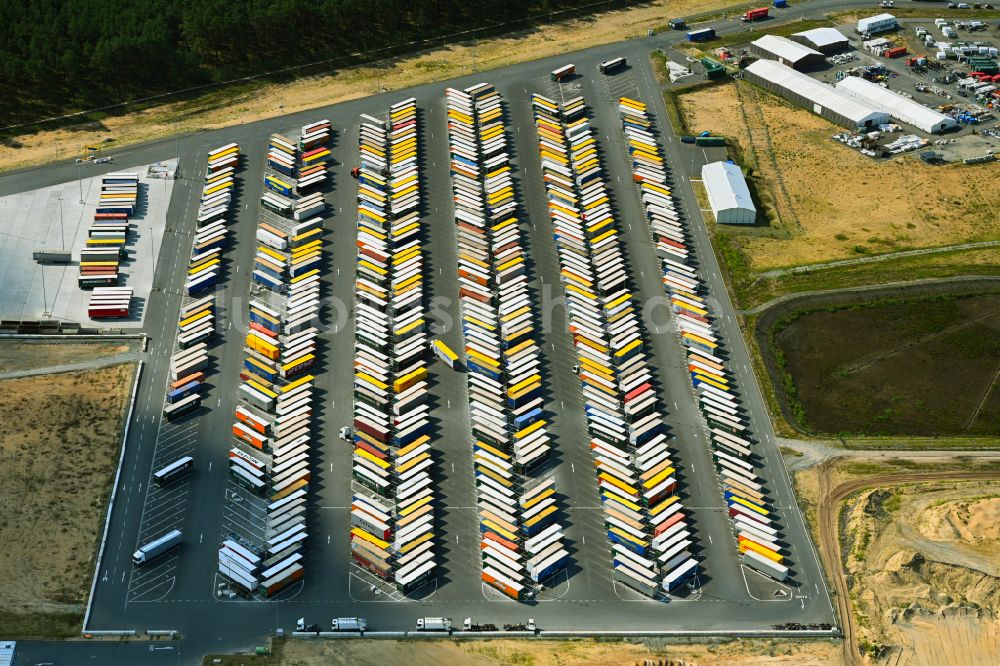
(111, 499)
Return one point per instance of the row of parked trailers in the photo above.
(755, 528)
(211, 234)
(288, 253)
(196, 320)
(521, 539)
(289, 245)
(273, 425)
(195, 326)
(304, 161)
(110, 303)
(643, 516)
(392, 512)
(104, 247)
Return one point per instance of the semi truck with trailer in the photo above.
(156, 548)
(754, 14)
(470, 625)
(701, 35)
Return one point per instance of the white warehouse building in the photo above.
(903, 109)
(820, 98)
(876, 24)
(728, 194)
(787, 52)
(824, 40)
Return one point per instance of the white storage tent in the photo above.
(728, 194)
(785, 51)
(818, 97)
(825, 40)
(903, 109)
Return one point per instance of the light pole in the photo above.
(45, 298)
(62, 229)
(79, 179)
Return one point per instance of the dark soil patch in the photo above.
(919, 365)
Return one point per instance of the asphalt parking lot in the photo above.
(181, 592)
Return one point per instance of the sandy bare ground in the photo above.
(215, 110)
(917, 599)
(59, 440)
(835, 201)
(907, 588)
(955, 638)
(973, 521)
(557, 653)
(26, 355)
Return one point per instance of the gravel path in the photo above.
(102, 362)
(808, 268)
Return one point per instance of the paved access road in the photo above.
(180, 596)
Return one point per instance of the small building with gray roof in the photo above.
(825, 40)
(783, 50)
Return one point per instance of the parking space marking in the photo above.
(621, 84)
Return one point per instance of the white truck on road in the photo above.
(154, 549)
(434, 624)
(348, 624)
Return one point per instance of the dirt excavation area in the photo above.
(917, 548)
(544, 653)
(973, 523)
(830, 202)
(257, 101)
(910, 585)
(59, 445)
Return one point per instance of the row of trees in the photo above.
(58, 55)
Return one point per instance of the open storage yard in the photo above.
(59, 444)
(111, 229)
(912, 366)
(383, 334)
(863, 207)
(261, 485)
